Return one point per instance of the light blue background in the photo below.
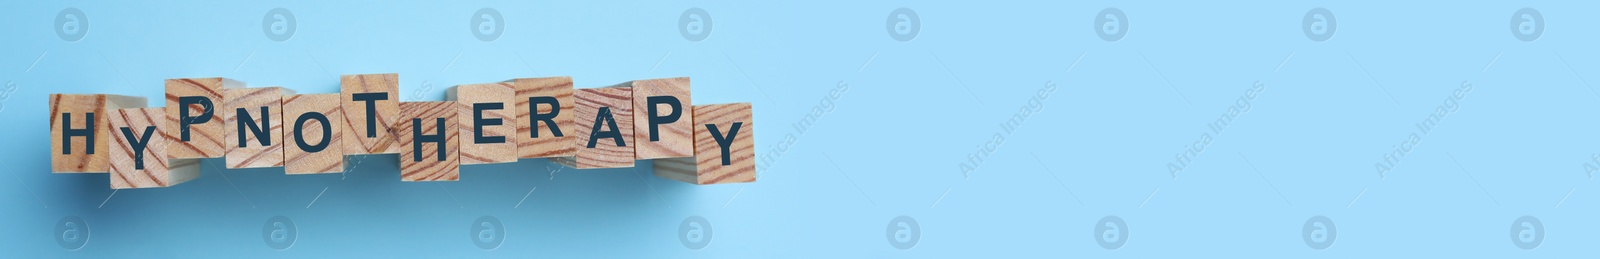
(893, 143)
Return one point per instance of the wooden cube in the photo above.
(428, 147)
(312, 139)
(371, 104)
(671, 133)
(139, 152)
(193, 119)
(604, 118)
(488, 124)
(724, 147)
(254, 131)
(80, 132)
(544, 117)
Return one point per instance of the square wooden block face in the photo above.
(311, 144)
(80, 131)
(371, 103)
(138, 153)
(254, 131)
(488, 124)
(674, 136)
(612, 134)
(544, 117)
(194, 117)
(724, 147)
(428, 147)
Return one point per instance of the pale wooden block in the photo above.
(257, 142)
(381, 139)
(420, 160)
(145, 165)
(204, 124)
(322, 137)
(607, 151)
(75, 153)
(710, 165)
(500, 123)
(538, 138)
(674, 137)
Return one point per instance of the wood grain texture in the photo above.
(205, 134)
(72, 155)
(382, 140)
(419, 160)
(674, 139)
(149, 167)
(605, 153)
(301, 161)
(546, 144)
(707, 166)
(244, 148)
(501, 94)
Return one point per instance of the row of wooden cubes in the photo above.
(479, 124)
